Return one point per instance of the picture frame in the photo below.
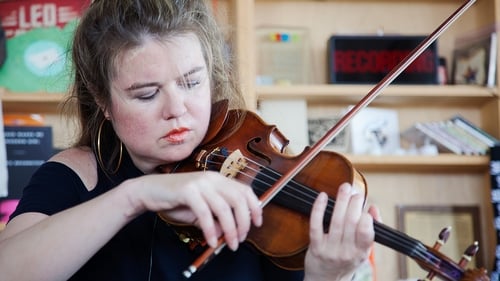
(424, 223)
(375, 131)
(317, 128)
(283, 55)
(474, 61)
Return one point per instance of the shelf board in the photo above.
(33, 102)
(394, 94)
(445, 163)
(264, 1)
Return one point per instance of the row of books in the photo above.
(455, 135)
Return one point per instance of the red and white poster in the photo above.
(19, 16)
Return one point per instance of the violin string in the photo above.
(285, 190)
(306, 196)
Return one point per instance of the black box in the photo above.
(368, 59)
(27, 148)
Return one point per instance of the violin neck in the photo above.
(398, 241)
(300, 198)
(426, 257)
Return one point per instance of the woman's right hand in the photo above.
(208, 200)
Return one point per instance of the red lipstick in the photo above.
(176, 135)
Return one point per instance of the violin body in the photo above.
(284, 235)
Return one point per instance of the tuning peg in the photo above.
(469, 253)
(442, 238)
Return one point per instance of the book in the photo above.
(466, 138)
(27, 148)
(447, 130)
(456, 135)
(474, 130)
(472, 143)
(474, 60)
(3, 160)
(420, 132)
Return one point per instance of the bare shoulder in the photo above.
(82, 161)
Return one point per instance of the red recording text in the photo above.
(375, 61)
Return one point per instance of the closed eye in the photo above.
(149, 95)
(189, 83)
(144, 91)
(192, 78)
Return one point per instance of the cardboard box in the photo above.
(38, 43)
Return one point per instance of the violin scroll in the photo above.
(458, 271)
(475, 274)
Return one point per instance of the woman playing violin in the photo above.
(146, 74)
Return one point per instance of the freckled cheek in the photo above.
(132, 129)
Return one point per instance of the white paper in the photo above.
(3, 159)
(375, 131)
(290, 117)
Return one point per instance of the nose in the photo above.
(173, 106)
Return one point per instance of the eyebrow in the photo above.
(136, 86)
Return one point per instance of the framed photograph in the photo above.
(375, 131)
(317, 128)
(474, 62)
(424, 223)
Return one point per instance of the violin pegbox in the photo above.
(467, 256)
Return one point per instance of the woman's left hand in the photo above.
(336, 254)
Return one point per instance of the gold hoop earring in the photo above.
(99, 156)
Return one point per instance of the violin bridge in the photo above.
(234, 163)
(210, 160)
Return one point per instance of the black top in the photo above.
(146, 248)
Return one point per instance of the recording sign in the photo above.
(368, 59)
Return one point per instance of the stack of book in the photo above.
(456, 135)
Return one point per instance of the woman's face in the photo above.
(161, 100)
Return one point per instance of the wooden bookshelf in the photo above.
(393, 181)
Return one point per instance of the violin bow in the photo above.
(315, 149)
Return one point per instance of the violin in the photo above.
(240, 145)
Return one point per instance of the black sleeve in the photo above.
(52, 188)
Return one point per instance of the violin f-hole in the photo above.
(253, 147)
